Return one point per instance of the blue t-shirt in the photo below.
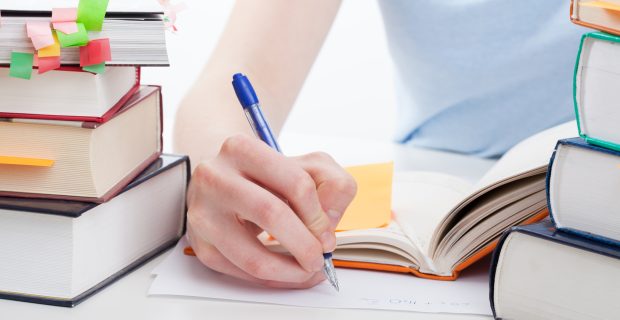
(478, 76)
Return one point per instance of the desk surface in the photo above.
(127, 298)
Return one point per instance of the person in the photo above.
(473, 77)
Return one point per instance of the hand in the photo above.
(249, 187)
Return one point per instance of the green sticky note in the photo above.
(91, 13)
(76, 39)
(21, 65)
(95, 68)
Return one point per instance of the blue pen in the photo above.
(249, 101)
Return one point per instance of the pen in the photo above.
(251, 106)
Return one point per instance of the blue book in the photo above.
(539, 272)
(583, 190)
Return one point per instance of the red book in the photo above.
(86, 161)
(68, 94)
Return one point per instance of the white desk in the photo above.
(127, 299)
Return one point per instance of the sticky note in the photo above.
(48, 63)
(95, 52)
(63, 19)
(95, 68)
(79, 38)
(50, 51)
(26, 161)
(40, 33)
(64, 14)
(600, 4)
(21, 65)
(91, 13)
(372, 205)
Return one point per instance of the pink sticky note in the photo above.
(66, 27)
(48, 63)
(64, 14)
(95, 52)
(40, 34)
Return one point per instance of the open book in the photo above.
(443, 224)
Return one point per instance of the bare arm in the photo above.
(274, 42)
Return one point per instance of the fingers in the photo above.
(285, 178)
(335, 187)
(231, 201)
(211, 257)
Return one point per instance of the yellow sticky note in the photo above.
(601, 4)
(50, 51)
(34, 162)
(372, 205)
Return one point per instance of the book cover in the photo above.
(75, 209)
(547, 231)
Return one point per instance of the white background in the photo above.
(355, 51)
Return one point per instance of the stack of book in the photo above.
(85, 194)
(569, 267)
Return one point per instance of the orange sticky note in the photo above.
(50, 51)
(601, 4)
(35, 162)
(372, 205)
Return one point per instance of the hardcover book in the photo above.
(68, 94)
(60, 252)
(600, 15)
(85, 161)
(539, 272)
(583, 183)
(597, 77)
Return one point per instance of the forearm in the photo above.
(275, 43)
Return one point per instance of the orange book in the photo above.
(434, 225)
(599, 15)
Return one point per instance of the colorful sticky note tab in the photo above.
(91, 13)
(50, 51)
(95, 68)
(95, 52)
(372, 205)
(77, 39)
(47, 64)
(40, 34)
(20, 161)
(66, 27)
(64, 14)
(21, 65)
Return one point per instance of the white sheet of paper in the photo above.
(182, 275)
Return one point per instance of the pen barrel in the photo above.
(260, 127)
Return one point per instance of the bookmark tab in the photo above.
(372, 205)
(63, 19)
(19, 161)
(50, 51)
(77, 39)
(95, 52)
(95, 68)
(40, 34)
(46, 64)
(91, 13)
(21, 65)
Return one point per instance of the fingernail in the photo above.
(334, 217)
(328, 239)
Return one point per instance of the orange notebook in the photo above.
(434, 225)
(599, 15)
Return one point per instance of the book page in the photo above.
(421, 201)
(532, 153)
